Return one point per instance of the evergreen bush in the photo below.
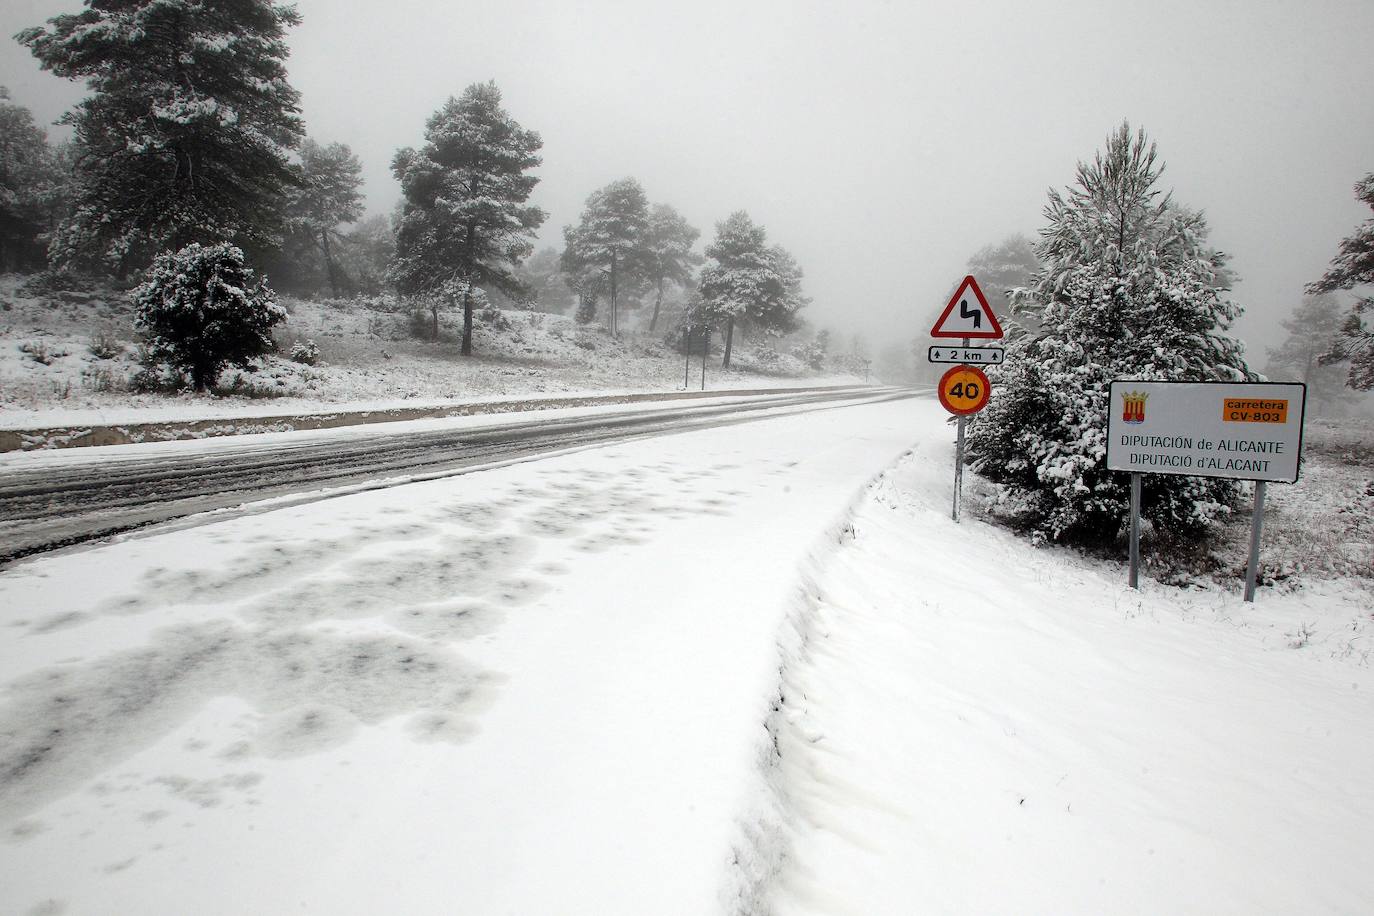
(201, 309)
(1128, 289)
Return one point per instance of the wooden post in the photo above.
(1256, 527)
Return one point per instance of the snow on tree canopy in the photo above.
(201, 310)
(1127, 288)
(611, 240)
(464, 216)
(748, 282)
(1352, 267)
(185, 134)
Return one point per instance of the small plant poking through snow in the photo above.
(201, 310)
(105, 346)
(1302, 636)
(306, 353)
(39, 353)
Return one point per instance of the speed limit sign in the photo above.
(964, 390)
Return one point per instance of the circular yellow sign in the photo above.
(964, 390)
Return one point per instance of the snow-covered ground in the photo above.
(536, 689)
(66, 359)
(700, 673)
(971, 726)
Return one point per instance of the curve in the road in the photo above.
(45, 509)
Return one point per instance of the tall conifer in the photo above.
(464, 222)
(186, 134)
(1127, 288)
(1352, 267)
(748, 282)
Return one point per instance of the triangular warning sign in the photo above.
(968, 315)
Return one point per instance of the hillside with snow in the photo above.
(71, 356)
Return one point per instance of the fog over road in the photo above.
(47, 502)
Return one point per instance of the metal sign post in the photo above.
(687, 372)
(1135, 529)
(959, 461)
(1232, 430)
(1256, 526)
(958, 469)
(964, 389)
(705, 348)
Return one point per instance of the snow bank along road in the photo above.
(50, 500)
(535, 688)
(974, 726)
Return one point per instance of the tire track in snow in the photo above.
(52, 508)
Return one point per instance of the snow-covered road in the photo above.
(700, 673)
(50, 500)
(534, 689)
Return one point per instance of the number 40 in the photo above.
(968, 390)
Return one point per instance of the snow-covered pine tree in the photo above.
(365, 252)
(747, 282)
(328, 196)
(202, 309)
(32, 187)
(1001, 268)
(670, 256)
(1313, 330)
(611, 238)
(464, 217)
(1352, 267)
(541, 276)
(186, 132)
(1127, 288)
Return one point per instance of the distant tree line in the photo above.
(192, 134)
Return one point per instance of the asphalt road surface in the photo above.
(48, 508)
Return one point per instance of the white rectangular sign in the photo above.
(972, 356)
(1242, 430)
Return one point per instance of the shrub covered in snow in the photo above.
(105, 345)
(201, 310)
(305, 352)
(811, 353)
(494, 318)
(1128, 288)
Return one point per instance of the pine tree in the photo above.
(611, 238)
(326, 198)
(748, 282)
(1303, 356)
(202, 309)
(1354, 266)
(1127, 289)
(365, 252)
(1001, 268)
(670, 255)
(32, 187)
(543, 277)
(186, 132)
(464, 222)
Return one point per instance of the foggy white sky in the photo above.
(881, 142)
